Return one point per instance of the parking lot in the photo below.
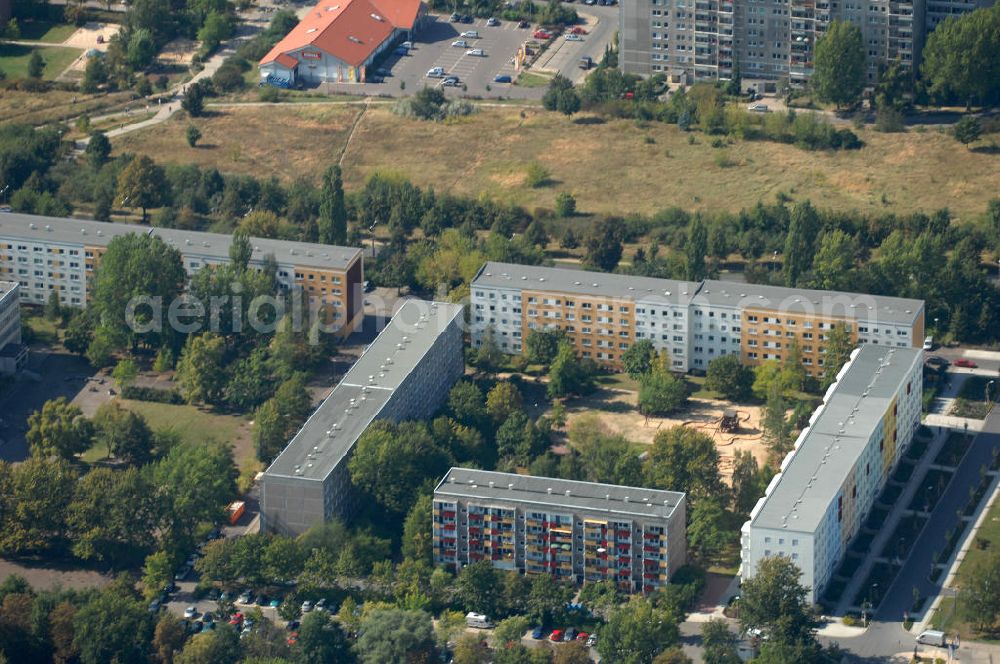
(404, 74)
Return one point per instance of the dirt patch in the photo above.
(49, 577)
(617, 410)
(177, 52)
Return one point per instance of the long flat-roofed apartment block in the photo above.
(59, 254)
(826, 486)
(404, 374)
(579, 532)
(693, 322)
(13, 354)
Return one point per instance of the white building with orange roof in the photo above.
(338, 40)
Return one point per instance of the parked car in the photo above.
(573, 37)
(407, 45)
(758, 108)
(556, 636)
(307, 606)
(968, 364)
(577, 30)
(214, 594)
(154, 606)
(208, 617)
(190, 612)
(466, 19)
(591, 640)
(460, 43)
(451, 82)
(245, 597)
(478, 52)
(454, 18)
(541, 34)
(929, 343)
(470, 34)
(570, 634)
(492, 22)
(237, 619)
(435, 72)
(537, 633)
(502, 78)
(582, 637)
(937, 361)
(275, 603)
(182, 573)
(523, 24)
(293, 625)
(293, 638)
(261, 600)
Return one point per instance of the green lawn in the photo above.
(46, 31)
(530, 80)
(14, 60)
(985, 541)
(191, 423)
(44, 330)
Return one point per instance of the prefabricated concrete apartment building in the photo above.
(48, 255)
(581, 532)
(826, 486)
(694, 322)
(406, 373)
(13, 355)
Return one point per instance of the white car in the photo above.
(476, 51)
(492, 22)
(435, 72)
(758, 108)
(407, 45)
(190, 612)
(470, 34)
(572, 37)
(451, 82)
(307, 606)
(460, 43)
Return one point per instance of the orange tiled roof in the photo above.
(349, 30)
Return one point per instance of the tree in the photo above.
(194, 99)
(61, 633)
(695, 250)
(728, 376)
(98, 149)
(168, 637)
(217, 27)
(471, 649)
(280, 417)
(489, 357)
(568, 375)
(683, 459)
(838, 351)
(565, 204)
(38, 491)
(773, 601)
(638, 358)
(332, 209)
(558, 85)
(391, 461)
(798, 253)
(547, 600)
(637, 632)
(193, 135)
(719, 643)
(417, 535)
(321, 641)
(707, 531)
(604, 244)
(125, 434)
(394, 635)
(217, 646)
(572, 653)
(967, 130)
(113, 515)
(142, 183)
(36, 64)
(660, 392)
(201, 369)
(839, 70)
(510, 630)
(465, 401)
(158, 571)
(961, 59)
(980, 599)
(746, 482)
(478, 588)
(113, 626)
(834, 261)
(774, 422)
(59, 429)
(541, 344)
(502, 401)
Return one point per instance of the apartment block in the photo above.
(826, 486)
(405, 373)
(694, 323)
(579, 532)
(12, 354)
(56, 254)
(768, 40)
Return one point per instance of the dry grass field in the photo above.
(615, 166)
(55, 105)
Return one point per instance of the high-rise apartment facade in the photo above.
(404, 374)
(48, 255)
(578, 532)
(12, 354)
(826, 486)
(768, 40)
(604, 314)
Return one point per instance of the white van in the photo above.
(477, 620)
(932, 637)
(929, 343)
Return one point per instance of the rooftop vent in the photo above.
(292, 252)
(100, 233)
(32, 226)
(376, 17)
(625, 499)
(354, 39)
(48, 228)
(567, 492)
(541, 278)
(524, 278)
(510, 486)
(576, 283)
(491, 484)
(549, 491)
(83, 231)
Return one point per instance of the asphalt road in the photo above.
(886, 634)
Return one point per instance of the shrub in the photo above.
(536, 175)
(271, 94)
(565, 204)
(139, 393)
(849, 621)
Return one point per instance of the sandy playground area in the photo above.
(86, 38)
(618, 411)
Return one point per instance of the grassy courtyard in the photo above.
(14, 60)
(610, 166)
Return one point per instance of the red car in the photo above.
(968, 364)
(556, 636)
(541, 34)
(582, 637)
(578, 31)
(292, 638)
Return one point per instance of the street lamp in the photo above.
(988, 403)
(371, 229)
